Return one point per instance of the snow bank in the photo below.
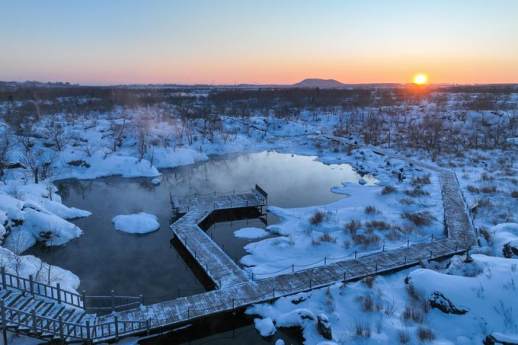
(505, 234)
(489, 296)
(265, 327)
(138, 223)
(250, 233)
(305, 241)
(42, 226)
(44, 273)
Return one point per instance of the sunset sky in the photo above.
(261, 41)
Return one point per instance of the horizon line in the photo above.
(249, 83)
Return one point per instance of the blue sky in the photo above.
(224, 41)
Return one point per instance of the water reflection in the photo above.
(107, 260)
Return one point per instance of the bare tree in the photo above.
(118, 131)
(4, 149)
(56, 133)
(32, 158)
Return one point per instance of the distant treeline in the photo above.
(70, 98)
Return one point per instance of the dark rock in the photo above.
(45, 235)
(16, 165)
(439, 301)
(323, 326)
(500, 339)
(510, 249)
(79, 163)
(298, 300)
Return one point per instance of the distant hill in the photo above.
(320, 83)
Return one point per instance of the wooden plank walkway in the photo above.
(235, 288)
(218, 266)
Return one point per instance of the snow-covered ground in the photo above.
(402, 204)
(393, 203)
(460, 304)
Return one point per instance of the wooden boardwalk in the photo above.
(218, 266)
(234, 288)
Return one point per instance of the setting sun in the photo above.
(420, 79)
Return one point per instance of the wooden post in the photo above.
(344, 277)
(4, 281)
(147, 326)
(188, 312)
(83, 296)
(273, 292)
(376, 267)
(112, 300)
(88, 330)
(310, 283)
(407, 243)
(4, 321)
(405, 259)
(58, 287)
(31, 284)
(325, 260)
(431, 254)
(116, 328)
(355, 254)
(61, 333)
(33, 314)
(292, 268)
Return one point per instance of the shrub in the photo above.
(366, 302)
(404, 337)
(421, 180)
(317, 218)
(425, 334)
(377, 224)
(473, 189)
(362, 330)
(488, 189)
(413, 314)
(417, 191)
(353, 226)
(370, 210)
(369, 281)
(418, 218)
(514, 194)
(366, 239)
(327, 238)
(388, 190)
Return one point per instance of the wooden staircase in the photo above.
(51, 313)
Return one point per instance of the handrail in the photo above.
(65, 329)
(57, 293)
(261, 191)
(41, 289)
(329, 260)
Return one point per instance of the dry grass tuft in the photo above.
(418, 218)
(317, 218)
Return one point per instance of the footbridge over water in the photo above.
(48, 312)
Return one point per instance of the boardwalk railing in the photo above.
(326, 260)
(64, 330)
(90, 303)
(261, 191)
(40, 289)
